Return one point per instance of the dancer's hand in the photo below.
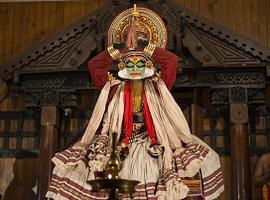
(131, 42)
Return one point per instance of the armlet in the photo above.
(149, 50)
(114, 53)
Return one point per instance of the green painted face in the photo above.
(135, 67)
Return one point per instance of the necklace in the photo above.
(137, 93)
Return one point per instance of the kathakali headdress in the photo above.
(149, 26)
(134, 24)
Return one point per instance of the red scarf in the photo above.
(149, 122)
(128, 117)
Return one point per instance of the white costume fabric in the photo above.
(161, 178)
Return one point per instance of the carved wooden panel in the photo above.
(19, 134)
(68, 49)
(225, 34)
(211, 51)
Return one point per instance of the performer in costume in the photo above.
(155, 143)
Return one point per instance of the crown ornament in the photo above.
(149, 27)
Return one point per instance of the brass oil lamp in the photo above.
(112, 183)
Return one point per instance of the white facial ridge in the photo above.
(123, 74)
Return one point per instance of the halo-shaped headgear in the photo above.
(149, 26)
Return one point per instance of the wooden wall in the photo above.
(17, 176)
(250, 18)
(23, 24)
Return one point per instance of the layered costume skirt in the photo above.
(186, 168)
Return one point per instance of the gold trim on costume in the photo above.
(121, 65)
(110, 77)
(149, 50)
(114, 53)
(158, 74)
(135, 12)
(149, 64)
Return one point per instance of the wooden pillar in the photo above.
(240, 167)
(48, 146)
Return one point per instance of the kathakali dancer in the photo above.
(154, 139)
